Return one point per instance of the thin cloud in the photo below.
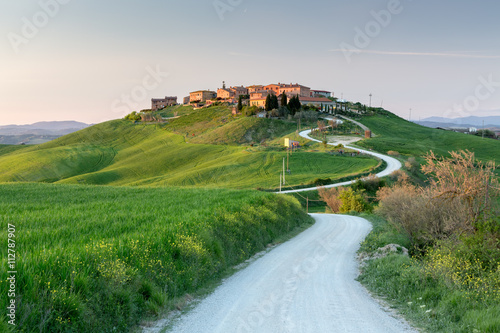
(426, 54)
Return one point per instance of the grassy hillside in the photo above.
(97, 259)
(5, 149)
(246, 130)
(177, 110)
(122, 153)
(201, 121)
(394, 133)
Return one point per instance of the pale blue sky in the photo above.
(91, 60)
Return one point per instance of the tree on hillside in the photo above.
(486, 133)
(294, 104)
(284, 100)
(274, 102)
(271, 102)
(267, 106)
(240, 103)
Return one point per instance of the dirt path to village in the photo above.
(304, 285)
(392, 163)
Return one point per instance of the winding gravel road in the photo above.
(304, 285)
(392, 164)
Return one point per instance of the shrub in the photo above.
(249, 111)
(283, 111)
(147, 117)
(353, 201)
(464, 178)
(458, 200)
(322, 181)
(399, 176)
(134, 116)
(466, 265)
(341, 200)
(419, 215)
(411, 164)
(392, 153)
(370, 184)
(331, 197)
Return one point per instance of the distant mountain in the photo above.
(472, 121)
(26, 139)
(52, 128)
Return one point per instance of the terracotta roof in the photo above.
(162, 99)
(315, 99)
(198, 91)
(293, 86)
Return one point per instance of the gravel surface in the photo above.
(392, 165)
(304, 285)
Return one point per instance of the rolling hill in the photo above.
(397, 134)
(120, 152)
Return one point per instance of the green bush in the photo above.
(134, 116)
(353, 201)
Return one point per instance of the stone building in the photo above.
(321, 93)
(161, 103)
(202, 95)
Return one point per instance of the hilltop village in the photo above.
(255, 95)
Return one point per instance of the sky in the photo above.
(93, 61)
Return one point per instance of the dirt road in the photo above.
(304, 285)
(392, 164)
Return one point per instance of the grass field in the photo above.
(122, 153)
(470, 303)
(396, 134)
(98, 258)
(177, 110)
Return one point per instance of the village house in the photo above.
(201, 96)
(289, 89)
(322, 103)
(321, 93)
(161, 103)
(258, 98)
(232, 93)
(317, 98)
(259, 93)
(255, 88)
(294, 89)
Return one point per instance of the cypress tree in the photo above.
(240, 103)
(284, 100)
(274, 102)
(268, 103)
(294, 104)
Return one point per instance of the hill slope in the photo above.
(122, 153)
(394, 133)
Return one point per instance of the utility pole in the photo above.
(371, 100)
(284, 171)
(288, 159)
(482, 136)
(280, 182)
(409, 119)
